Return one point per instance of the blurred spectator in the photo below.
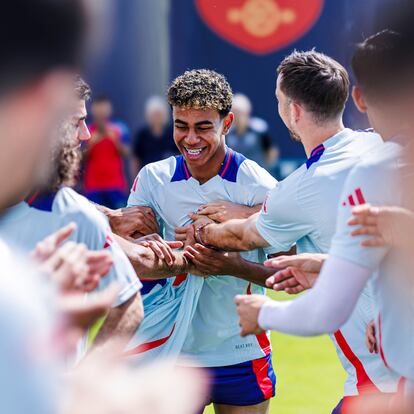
(154, 141)
(249, 136)
(104, 177)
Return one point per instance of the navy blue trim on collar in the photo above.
(181, 171)
(42, 202)
(231, 165)
(316, 154)
(228, 170)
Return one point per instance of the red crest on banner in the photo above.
(260, 26)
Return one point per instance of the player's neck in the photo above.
(317, 135)
(211, 168)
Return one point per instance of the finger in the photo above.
(362, 209)
(189, 256)
(295, 290)
(218, 217)
(203, 249)
(281, 261)
(190, 249)
(148, 211)
(181, 230)
(63, 234)
(270, 281)
(243, 332)
(238, 299)
(148, 226)
(102, 267)
(362, 220)
(282, 275)
(207, 211)
(365, 231)
(90, 284)
(156, 249)
(288, 283)
(180, 237)
(168, 253)
(377, 242)
(175, 244)
(57, 259)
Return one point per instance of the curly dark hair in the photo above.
(201, 89)
(66, 154)
(67, 158)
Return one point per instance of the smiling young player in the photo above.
(198, 313)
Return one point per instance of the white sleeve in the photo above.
(93, 230)
(140, 194)
(254, 183)
(282, 221)
(325, 308)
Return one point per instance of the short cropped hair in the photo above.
(317, 81)
(383, 63)
(201, 89)
(82, 89)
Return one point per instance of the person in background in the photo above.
(250, 135)
(154, 141)
(104, 176)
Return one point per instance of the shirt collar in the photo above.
(318, 151)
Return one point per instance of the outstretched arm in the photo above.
(149, 265)
(233, 235)
(212, 262)
(324, 309)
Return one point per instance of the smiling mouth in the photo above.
(194, 152)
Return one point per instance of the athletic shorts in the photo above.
(248, 383)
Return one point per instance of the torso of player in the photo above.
(393, 284)
(213, 338)
(314, 191)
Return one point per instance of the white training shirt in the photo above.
(302, 209)
(211, 335)
(25, 225)
(30, 362)
(380, 180)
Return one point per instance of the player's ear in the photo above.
(228, 122)
(295, 111)
(359, 100)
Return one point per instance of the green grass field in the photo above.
(309, 376)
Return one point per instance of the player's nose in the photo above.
(84, 133)
(191, 139)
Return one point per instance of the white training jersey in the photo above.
(25, 225)
(380, 180)
(209, 334)
(30, 362)
(302, 209)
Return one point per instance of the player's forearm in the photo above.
(121, 323)
(147, 264)
(325, 308)
(233, 235)
(252, 272)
